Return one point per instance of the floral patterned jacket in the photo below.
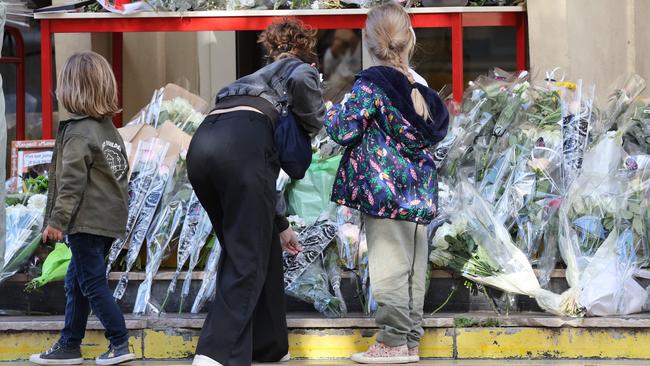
(387, 169)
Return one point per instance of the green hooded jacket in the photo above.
(88, 179)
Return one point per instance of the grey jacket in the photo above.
(88, 179)
(303, 90)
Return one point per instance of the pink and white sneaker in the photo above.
(414, 355)
(380, 353)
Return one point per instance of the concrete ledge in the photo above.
(304, 321)
(167, 275)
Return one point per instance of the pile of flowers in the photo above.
(556, 179)
(532, 176)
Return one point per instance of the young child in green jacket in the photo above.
(87, 203)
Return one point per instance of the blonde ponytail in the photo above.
(389, 38)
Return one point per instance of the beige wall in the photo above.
(152, 60)
(199, 62)
(599, 41)
(642, 38)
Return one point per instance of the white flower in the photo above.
(296, 220)
(460, 225)
(439, 238)
(15, 208)
(440, 258)
(37, 202)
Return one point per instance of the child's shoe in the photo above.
(380, 353)
(58, 355)
(414, 355)
(116, 355)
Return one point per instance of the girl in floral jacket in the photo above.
(388, 124)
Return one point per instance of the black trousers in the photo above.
(233, 166)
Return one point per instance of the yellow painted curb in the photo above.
(341, 343)
(539, 343)
(20, 345)
(463, 343)
(169, 344)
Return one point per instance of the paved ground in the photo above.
(426, 362)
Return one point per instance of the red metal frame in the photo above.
(116, 45)
(455, 21)
(19, 60)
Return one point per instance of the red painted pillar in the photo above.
(116, 44)
(457, 65)
(46, 78)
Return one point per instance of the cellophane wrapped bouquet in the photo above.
(540, 175)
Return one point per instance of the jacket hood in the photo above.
(398, 89)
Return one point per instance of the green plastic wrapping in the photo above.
(310, 196)
(55, 267)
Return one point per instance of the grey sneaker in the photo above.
(58, 355)
(116, 355)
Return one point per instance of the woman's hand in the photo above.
(289, 242)
(52, 233)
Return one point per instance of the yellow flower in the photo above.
(566, 84)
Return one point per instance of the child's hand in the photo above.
(52, 233)
(289, 242)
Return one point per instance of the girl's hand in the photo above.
(289, 242)
(53, 234)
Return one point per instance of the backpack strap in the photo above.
(284, 100)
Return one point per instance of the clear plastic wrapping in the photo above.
(139, 232)
(305, 275)
(166, 225)
(199, 231)
(348, 234)
(148, 159)
(23, 235)
(482, 250)
(621, 99)
(577, 123)
(209, 281)
(195, 231)
(335, 275)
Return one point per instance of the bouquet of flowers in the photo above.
(481, 248)
(167, 225)
(635, 126)
(23, 235)
(139, 232)
(209, 282)
(305, 275)
(348, 235)
(149, 157)
(194, 233)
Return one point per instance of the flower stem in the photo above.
(451, 294)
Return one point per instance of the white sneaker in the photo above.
(286, 358)
(200, 360)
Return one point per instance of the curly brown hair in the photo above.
(289, 37)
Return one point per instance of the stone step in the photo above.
(166, 275)
(474, 335)
(51, 298)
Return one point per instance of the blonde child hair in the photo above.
(86, 86)
(391, 41)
